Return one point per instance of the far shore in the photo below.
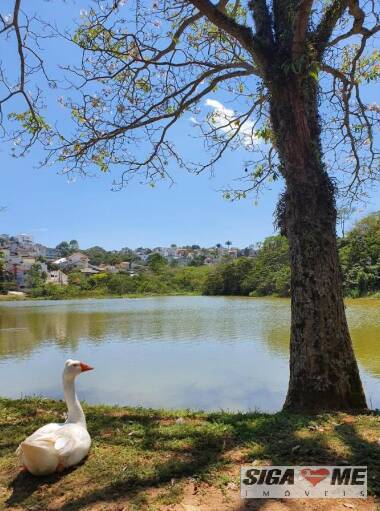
(96, 296)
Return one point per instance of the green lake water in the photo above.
(176, 352)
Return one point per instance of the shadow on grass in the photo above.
(317, 451)
(155, 450)
(24, 485)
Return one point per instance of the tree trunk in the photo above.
(323, 370)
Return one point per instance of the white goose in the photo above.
(55, 447)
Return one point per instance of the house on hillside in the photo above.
(124, 266)
(108, 268)
(61, 262)
(57, 277)
(90, 270)
(24, 240)
(19, 269)
(78, 260)
(48, 253)
(233, 252)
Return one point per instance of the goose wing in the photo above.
(42, 435)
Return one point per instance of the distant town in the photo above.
(20, 254)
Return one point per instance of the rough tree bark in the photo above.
(323, 370)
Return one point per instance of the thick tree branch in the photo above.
(327, 24)
(240, 33)
(300, 27)
(263, 22)
(358, 24)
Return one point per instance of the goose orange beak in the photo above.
(85, 367)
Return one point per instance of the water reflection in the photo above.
(364, 321)
(196, 352)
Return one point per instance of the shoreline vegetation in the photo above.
(96, 296)
(267, 273)
(152, 460)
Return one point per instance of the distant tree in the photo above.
(270, 272)
(35, 277)
(360, 257)
(227, 277)
(97, 255)
(156, 262)
(127, 254)
(63, 249)
(228, 243)
(114, 258)
(66, 248)
(218, 245)
(343, 214)
(197, 260)
(245, 252)
(73, 245)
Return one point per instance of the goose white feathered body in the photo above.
(57, 446)
(53, 446)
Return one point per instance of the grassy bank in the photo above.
(11, 298)
(156, 459)
(100, 296)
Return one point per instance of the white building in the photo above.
(62, 261)
(24, 239)
(57, 277)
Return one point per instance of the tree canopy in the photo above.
(145, 64)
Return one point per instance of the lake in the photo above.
(177, 352)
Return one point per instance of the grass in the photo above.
(11, 298)
(151, 460)
(85, 295)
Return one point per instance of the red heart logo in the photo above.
(314, 476)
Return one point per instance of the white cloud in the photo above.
(222, 116)
(194, 121)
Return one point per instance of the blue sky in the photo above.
(43, 203)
